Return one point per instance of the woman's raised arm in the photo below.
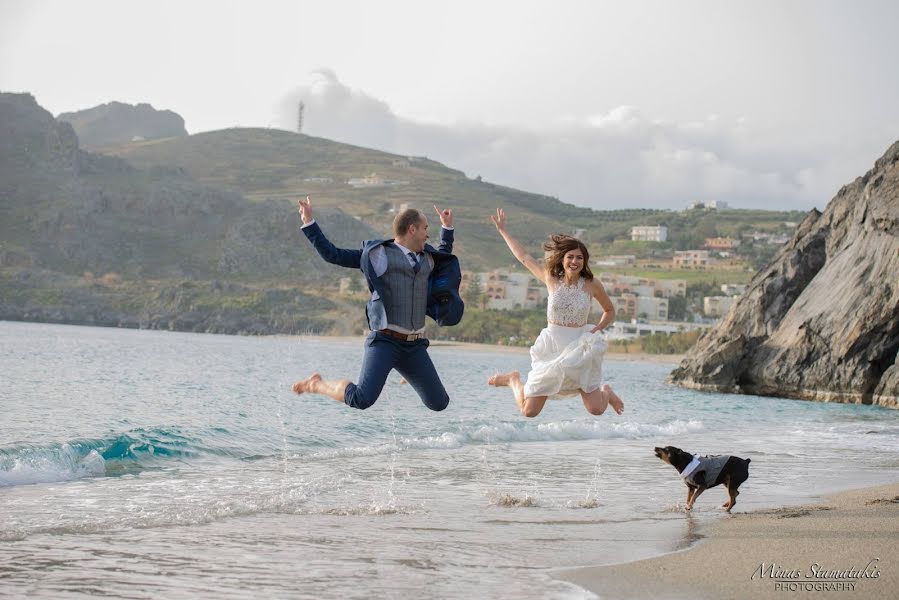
(515, 246)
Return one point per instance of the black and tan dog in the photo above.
(703, 472)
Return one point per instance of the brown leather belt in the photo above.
(406, 337)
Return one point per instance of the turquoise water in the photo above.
(153, 464)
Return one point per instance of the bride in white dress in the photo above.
(566, 359)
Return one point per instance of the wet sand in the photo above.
(845, 547)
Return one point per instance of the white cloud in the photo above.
(338, 112)
(620, 158)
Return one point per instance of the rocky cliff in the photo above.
(821, 321)
(117, 123)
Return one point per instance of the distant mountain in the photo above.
(821, 321)
(118, 123)
(80, 232)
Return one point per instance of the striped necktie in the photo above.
(416, 264)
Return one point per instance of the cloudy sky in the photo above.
(764, 104)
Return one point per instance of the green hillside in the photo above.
(211, 221)
(275, 165)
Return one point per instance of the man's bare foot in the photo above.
(304, 386)
(503, 379)
(615, 402)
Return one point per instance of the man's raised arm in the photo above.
(328, 251)
(446, 229)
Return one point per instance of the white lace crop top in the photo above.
(568, 305)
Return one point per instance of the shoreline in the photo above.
(672, 359)
(812, 547)
(477, 347)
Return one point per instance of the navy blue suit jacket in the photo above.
(445, 304)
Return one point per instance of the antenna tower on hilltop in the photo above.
(300, 110)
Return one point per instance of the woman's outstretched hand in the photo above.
(499, 220)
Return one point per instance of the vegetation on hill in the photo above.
(216, 211)
(116, 123)
(270, 164)
(170, 304)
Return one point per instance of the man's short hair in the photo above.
(405, 219)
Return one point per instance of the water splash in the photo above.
(512, 501)
(591, 498)
(285, 455)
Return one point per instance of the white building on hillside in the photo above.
(654, 308)
(623, 330)
(672, 287)
(692, 259)
(640, 307)
(622, 284)
(733, 289)
(616, 260)
(717, 306)
(508, 291)
(658, 233)
(366, 182)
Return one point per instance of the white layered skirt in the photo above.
(566, 360)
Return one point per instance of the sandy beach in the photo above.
(847, 546)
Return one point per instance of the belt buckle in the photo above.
(406, 337)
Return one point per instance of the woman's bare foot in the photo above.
(503, 379)
(306, 385)
(615, 402)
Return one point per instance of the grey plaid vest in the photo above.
(405, 295)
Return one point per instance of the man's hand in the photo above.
(305, 208)
(446, 217)
(499, 220)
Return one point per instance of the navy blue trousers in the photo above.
(410, 359)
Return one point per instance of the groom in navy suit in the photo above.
(408, 280)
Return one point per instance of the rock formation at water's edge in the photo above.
(821, 320)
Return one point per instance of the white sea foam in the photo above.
(374, 509)
(510, 433)
(861, 436)
(209, 501)
(54, 465)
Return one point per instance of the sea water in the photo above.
(148, 464)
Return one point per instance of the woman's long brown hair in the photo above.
(556, 248)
